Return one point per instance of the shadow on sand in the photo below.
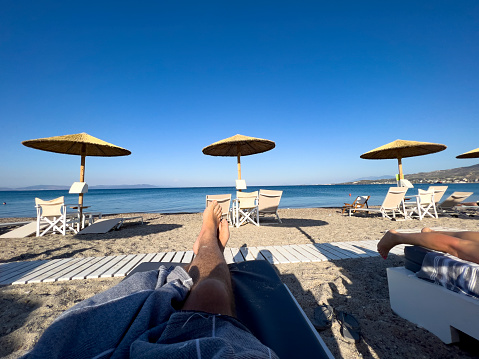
(359, 286)
(128, 230)
(19, 309)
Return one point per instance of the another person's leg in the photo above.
(469, 235)
(212, 291)
(466, 249)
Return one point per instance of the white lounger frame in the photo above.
(433, 307)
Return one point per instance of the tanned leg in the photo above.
(462, 248)
(469, 235)
(211, 291)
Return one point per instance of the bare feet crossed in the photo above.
(212, 227)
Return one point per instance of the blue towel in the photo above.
(137, 319)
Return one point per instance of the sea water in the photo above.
(176, 200)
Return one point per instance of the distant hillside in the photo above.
(454, 175)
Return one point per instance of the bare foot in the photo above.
(426, 230)
(211, 223)
(223, 234)
(387, 242)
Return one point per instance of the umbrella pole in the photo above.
(401, 176)
(239, 162)
(82, 179)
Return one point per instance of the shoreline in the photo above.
(192, 200)
(358, 286)
(7, 219)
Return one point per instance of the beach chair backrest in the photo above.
(269, 200)
(361, 200)
(355, 202)
(394, 197)
(425, 197)
(405, 183)
(224, 200)
(438, 192)
(52, 208)
(454, 199)
(247, 199)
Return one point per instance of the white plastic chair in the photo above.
(246, 208)
(54, 213)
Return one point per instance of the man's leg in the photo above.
(212, 291)
(462, 248)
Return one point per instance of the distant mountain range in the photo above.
(455, 175)
(62, 188)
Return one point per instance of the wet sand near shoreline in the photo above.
(358, 286)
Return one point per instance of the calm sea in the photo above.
(174, 200)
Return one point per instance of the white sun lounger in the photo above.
(433, 307)
(24, 231)
(106, 225)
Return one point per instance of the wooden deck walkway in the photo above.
(119, 266)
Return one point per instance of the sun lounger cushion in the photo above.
(444, 269)
(413, 257)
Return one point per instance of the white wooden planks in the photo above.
(121, 265)
(168, 257)
(101, 269)
(247, 255)
(287, 254)
(43, 271)
(228, 255)
(237, 255)
(178, 257)
(15, 271)
(123, 271)
(255, 253)
(85, 269)
(189, 255)
(303, 254)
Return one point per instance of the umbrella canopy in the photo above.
(237, 146)
(470, 154)
(81, 144)
(400, 149)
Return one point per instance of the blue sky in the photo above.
(327, 81)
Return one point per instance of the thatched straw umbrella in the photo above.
(81, 144)
(470, 154)
(238, 146)
(401, 149)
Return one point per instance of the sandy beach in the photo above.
(358, 286)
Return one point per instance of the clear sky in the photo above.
(326, 80)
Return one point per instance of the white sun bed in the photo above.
(433, 307)
(105, 225)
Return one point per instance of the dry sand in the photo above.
(358, 286)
